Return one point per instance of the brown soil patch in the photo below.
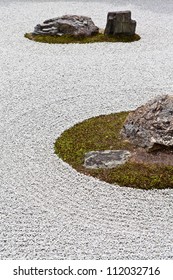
(164, 157)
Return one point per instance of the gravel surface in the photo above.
(48, 210)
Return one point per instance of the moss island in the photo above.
(67, 39)
(103, 133)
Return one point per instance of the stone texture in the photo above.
(151, 125)
(120, 23)
(67, 25)
(106, 159)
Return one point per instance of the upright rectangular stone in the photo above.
(120, 23)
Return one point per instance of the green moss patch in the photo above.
(103, 133)
(66, 39)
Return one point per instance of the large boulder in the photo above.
(120, 23)
(78, 26)
(151, 125)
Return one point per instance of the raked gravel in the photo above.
(48, 210)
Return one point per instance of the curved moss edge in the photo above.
(102, 133)
(92, 39)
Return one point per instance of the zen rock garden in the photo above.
(133, 148)
(75, 28)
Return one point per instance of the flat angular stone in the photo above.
(67, 25)
(120, 23)
(151, 125)
(106, 159)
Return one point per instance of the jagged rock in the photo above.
(106, 159)
(67, 25)
(151, 125)
(120, 23)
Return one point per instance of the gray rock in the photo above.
(106, 159)
(151, 125)
(120, 23)
(67, 25)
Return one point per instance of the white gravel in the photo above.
(48, 210)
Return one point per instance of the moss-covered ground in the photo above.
(103, 133)
(66, 39)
